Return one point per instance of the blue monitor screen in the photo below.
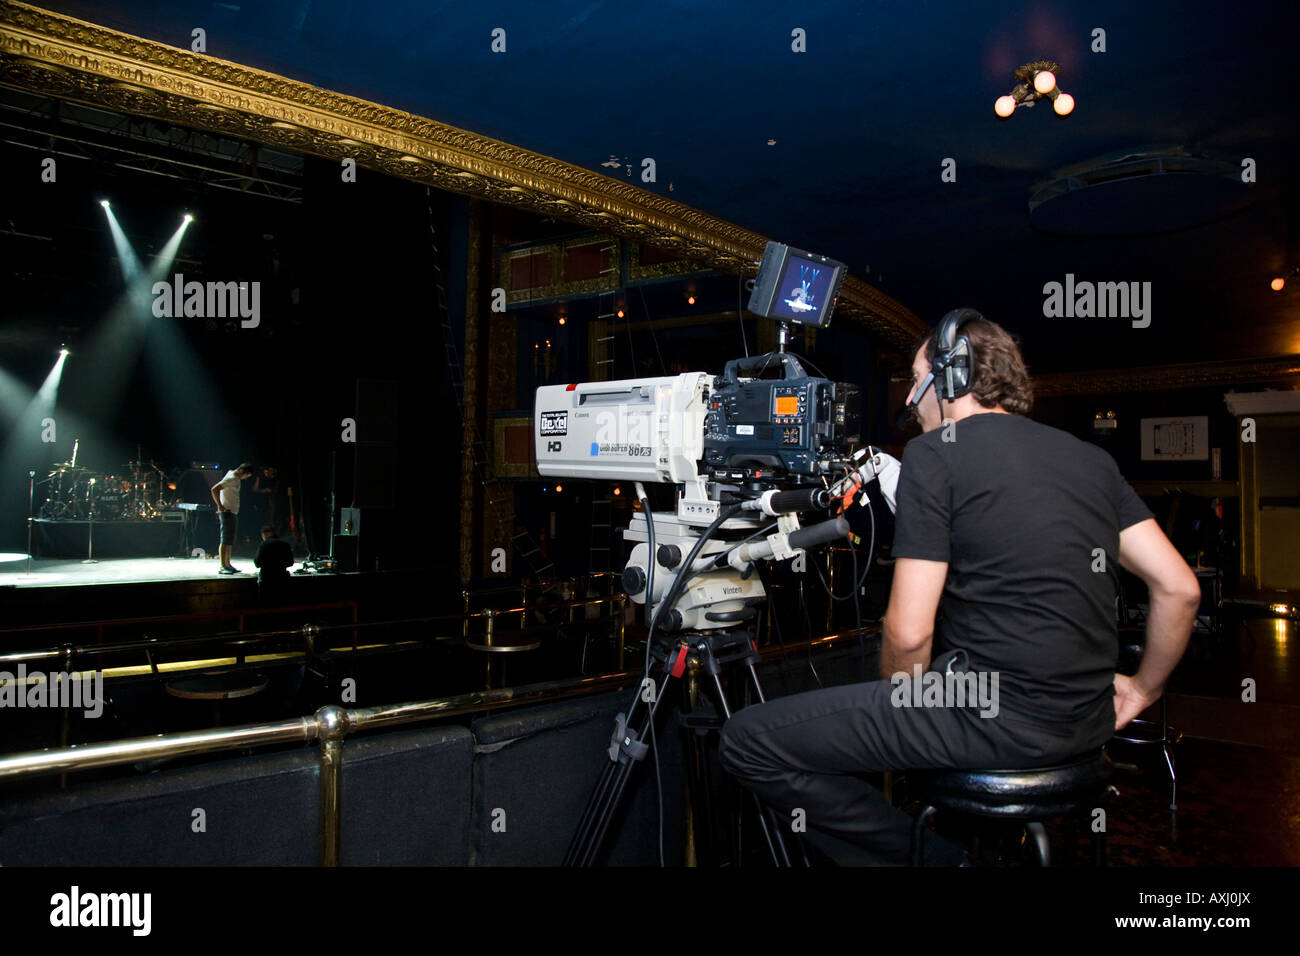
(804, 290)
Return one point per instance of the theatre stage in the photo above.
(63, 572)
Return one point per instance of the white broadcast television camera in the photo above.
(741, 449)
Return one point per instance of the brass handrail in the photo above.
(329, 726)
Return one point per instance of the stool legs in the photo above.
(1168, 751)
(918, 834)
(1038, 833)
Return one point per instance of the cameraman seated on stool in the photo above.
(1008, 522)
(274, 559)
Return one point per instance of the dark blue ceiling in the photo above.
(862, 122)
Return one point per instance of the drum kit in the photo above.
(141, 492)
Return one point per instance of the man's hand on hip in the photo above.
(1130, 700)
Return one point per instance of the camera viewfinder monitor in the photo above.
(796, 286)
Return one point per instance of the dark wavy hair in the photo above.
(1000, 376)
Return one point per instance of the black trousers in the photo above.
(808, 751)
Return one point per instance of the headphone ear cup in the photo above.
(961, 370)
(948, 348)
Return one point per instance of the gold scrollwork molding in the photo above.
(60, 56)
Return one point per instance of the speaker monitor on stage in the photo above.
(347, 552)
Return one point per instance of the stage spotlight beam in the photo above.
(43, 403)
(125, 254)
(162, 262)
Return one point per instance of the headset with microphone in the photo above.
(950, 369)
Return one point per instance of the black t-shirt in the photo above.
(274, 558)
(1018, 509)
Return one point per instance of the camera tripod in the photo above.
(685, 654)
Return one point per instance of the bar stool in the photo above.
(217, 686)
(495, 641)
(1027, 797)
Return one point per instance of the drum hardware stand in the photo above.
(90, 544)
(708, 651)
(31, 492)
(333, 485)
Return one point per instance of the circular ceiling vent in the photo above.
(1138, 193)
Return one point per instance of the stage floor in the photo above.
(57, 572)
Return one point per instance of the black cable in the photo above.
(659, 788)
(650, 322)
(740, 310)
(857, 612)
(804, 360)
(841, 597)
(807, 618)
(724, 554)
(858, 582)
(669, 599)
(649, 592)
(776, 619)
(679, 583)
(651, 561)
(767, 360)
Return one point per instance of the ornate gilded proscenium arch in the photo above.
(56, 55)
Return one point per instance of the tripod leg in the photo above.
(578, 846)
(769, 825)
(758, 690)
(604, 797)
(627, 749)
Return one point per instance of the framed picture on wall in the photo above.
(1176, 439)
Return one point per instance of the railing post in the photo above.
(331, 728)
(309, 634)
(487, 641)
(65, 719)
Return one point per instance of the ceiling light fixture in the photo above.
(1035, 81)
(1279, 282)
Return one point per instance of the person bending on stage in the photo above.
(225, 493)
(1006, 521)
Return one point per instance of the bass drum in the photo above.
(110, 505)
(105, 497)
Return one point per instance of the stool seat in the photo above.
(1034, 794)
(217, 685)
